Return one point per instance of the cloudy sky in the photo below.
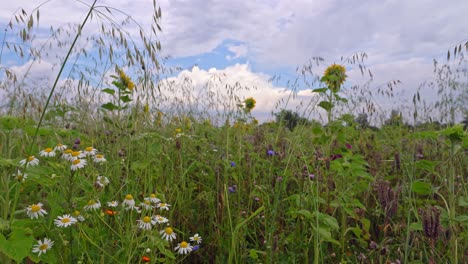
(252, 41)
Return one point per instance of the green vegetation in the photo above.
(119, 180)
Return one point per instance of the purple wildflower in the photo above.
(232, 189)
(270, 152)
(233, 164)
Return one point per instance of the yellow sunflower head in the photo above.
(335, 76)
(126, 81)
(249, 104)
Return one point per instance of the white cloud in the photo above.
(239, 51)
(216, 88)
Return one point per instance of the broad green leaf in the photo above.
(320, 90)
(125, 99)
(463, 201)
(110, 106)
(109, 91)
(422, 188)
(328, 220)
(426, 165)
(326, 105)
(18, 245)
(461, 218)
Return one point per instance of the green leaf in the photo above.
(165, 251)
(320, 90)
(422, 188)
(326, 105)
(463, 201)
(426, 165)
(125, 99)
(328, 220)
(110, 106)
(109, 91)
(306, 213)
(18, 245)
(416, 226)
(461, 218)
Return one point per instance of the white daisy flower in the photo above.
(146, 223)
(60, 147)
(47, 152)
(133, 208)
(76, 155)
(99, 158)
(67, 154)
(65, 220)
(92, 205)
(183, 248)
(152, 198)
(30, 161)
(160, 219)
(102, 181)
(113, 204)
(20, 176)
(90, 151)
(43, 246)
(196, 238)
(163, 206)
(146, 205)
(35, 210)
(128, 201)
(168, 234)
(78, 164)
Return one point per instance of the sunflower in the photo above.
(249, 104)
(335, 76)
(126, 81)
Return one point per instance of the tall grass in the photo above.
(344, 192)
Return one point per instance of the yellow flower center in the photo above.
(91, 202)
(43, 247)
(99, 156)
(89, 149)
(196, 238)
(162, 205)
(146, 219)
(19, 177)
(153, 195)
(68, 151)
(59, 145)
(48, 150)
(65, 220)
(75, 153)
(128, 197)
(31, 158)
(35, 208)
(76, 162)
(168, 231)
(184, 244)
(147, 202)
(77, 213)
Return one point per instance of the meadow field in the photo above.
(101, 166)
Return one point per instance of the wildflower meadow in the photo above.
(107, 169)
